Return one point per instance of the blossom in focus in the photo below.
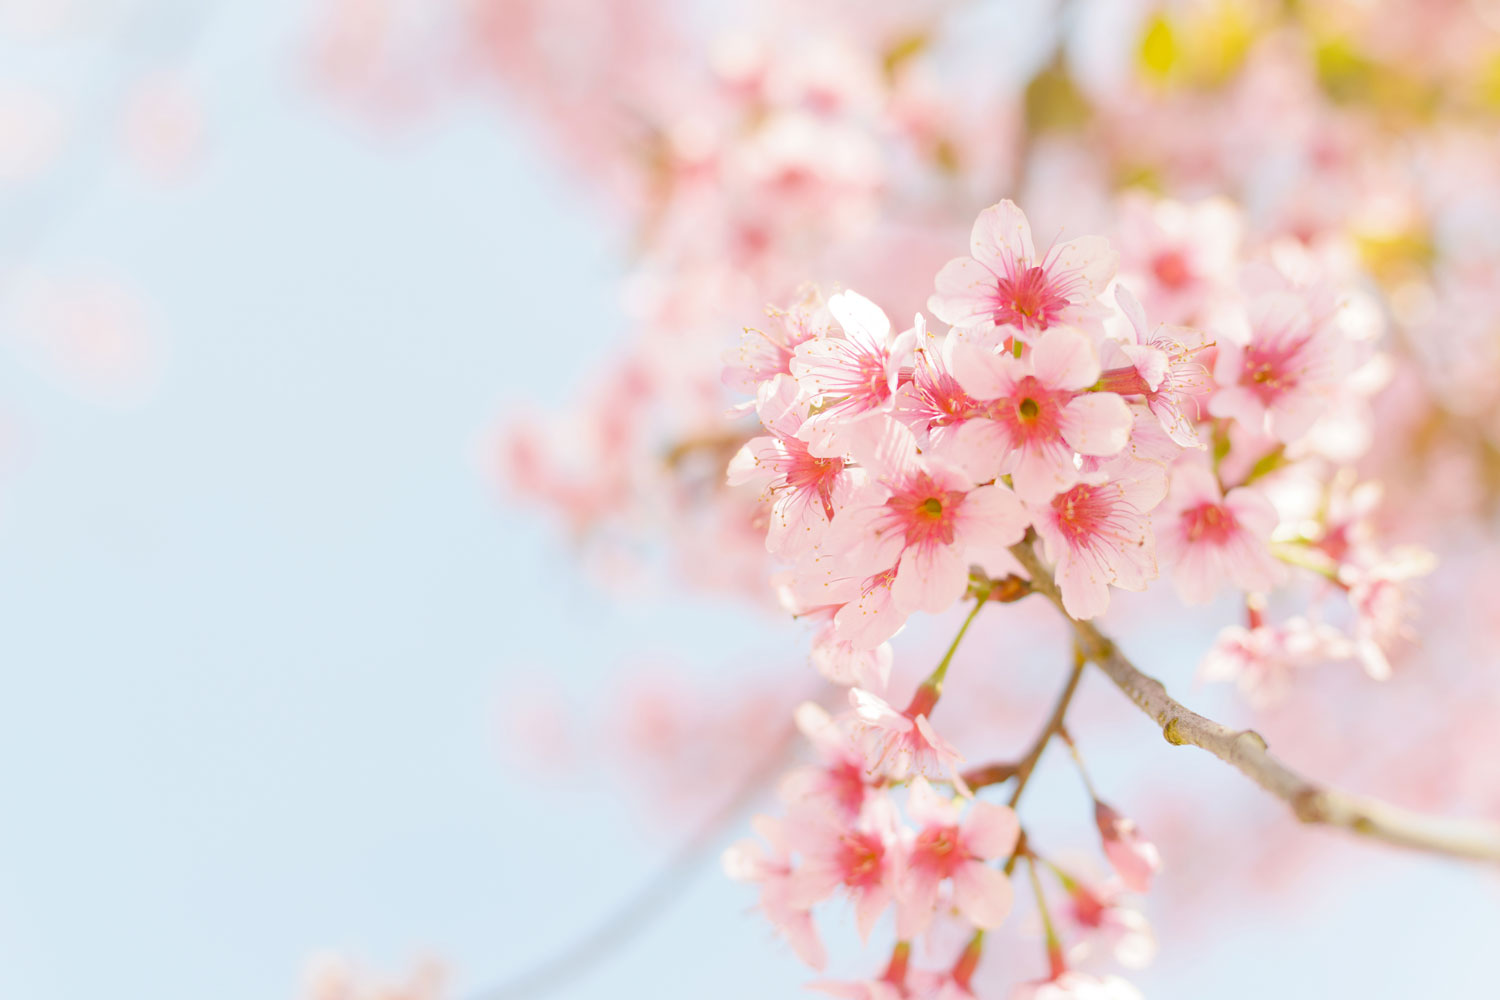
(900, 744)
(1038, 414)
(922, 515)
(805, 491)
(850, 376)
(1003, 283)
(1098, 534)
(1166, 370)
(953, 848)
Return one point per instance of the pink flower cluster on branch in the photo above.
(903, 468)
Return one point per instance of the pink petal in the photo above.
(930, 578)
(1001, 237)
(991, 831)
(1097, 423)
(965, 293)
(983, 894)
(1064, 359)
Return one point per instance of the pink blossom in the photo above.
(1163, 369)
(1181, 255)
(1284, 375)
(1382, 604)
(1134, 858)
(770, 866)
(858, 857)
(839, 782)
(865, 614)
(330, 977)
(1003, 283)
(763, 354)
(804, 490)
(1261, 660)
(932, 402)
(900, 744)
(1212, 537)
(843, 662)
(922, 515)
(1101, 912)
(850, 376)
(952, 848)
(1097, 534)
(1038, 414)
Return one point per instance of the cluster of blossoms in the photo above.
(1339, 145)
(900, 468)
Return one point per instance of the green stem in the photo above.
(935, 680)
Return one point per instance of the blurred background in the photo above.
(291, 667)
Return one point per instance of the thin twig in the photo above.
(1028, 763)
(1246, 750)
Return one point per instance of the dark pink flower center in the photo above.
(1032, 412)
(1028, 299)
(925, 512)
(1271, 369)
(1084, 513)
(939, 850)
(846, 780)
(1171, 269)
(807, 472)
(859, 858)
(1209, 522)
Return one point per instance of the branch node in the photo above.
(1309, 805)
(1260, 741)
(1172, 734)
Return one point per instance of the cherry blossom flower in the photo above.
(899, 744)
(950, 848)
(1134, 858)
(805, 491)
(1004, 283)
(1382, 605)
(922, 515)
(1284, 374)
(1097, 534)
(330, 977)
(1181, 254)
(932, 402)
(1100, 910)
(865, 614)
(1261, 659)
(1163, 369)
(839, 782)
(864, 989)
(1212, 537)
(770, 866)
(763, 354)
(850, 376)
(1038, 414)
(859, 857)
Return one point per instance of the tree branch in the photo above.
(1246, 750)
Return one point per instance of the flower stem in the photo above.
(1054, 946)
(935, 680)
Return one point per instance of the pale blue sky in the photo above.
(255, 633)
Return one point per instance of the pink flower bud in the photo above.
(1134, 858)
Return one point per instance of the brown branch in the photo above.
(1246, 750)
